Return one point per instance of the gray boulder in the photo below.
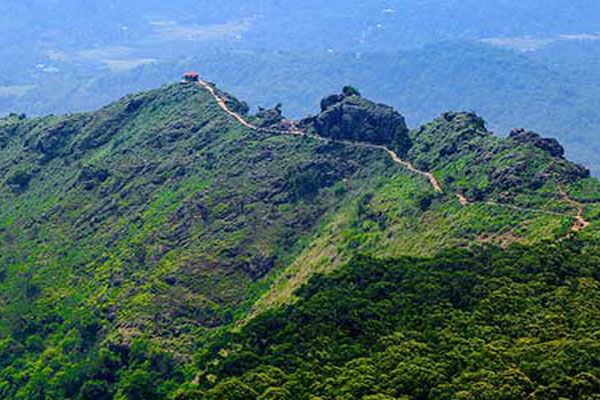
(351, 117)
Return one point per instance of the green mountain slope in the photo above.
(483, 324)
(132, 236)
(162, 198)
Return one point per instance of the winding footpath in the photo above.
(580, 221)
(297, 132)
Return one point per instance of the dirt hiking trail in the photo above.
(579, 225)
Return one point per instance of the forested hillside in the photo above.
(136, 238)
(400, 202)
(480, 324)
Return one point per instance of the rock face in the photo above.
(331, 100)
(552, 146)
(349, 116)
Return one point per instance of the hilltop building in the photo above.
(191, 77)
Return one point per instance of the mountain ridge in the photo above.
(133, 235)
(550, 145)
(580, 223)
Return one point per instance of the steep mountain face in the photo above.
(161, 190)
(133, 238)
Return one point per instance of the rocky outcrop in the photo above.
(445, 137)
(348, 116)
(269, 116)
(481, 166)
(91, 176)
(331, 100)
(19, 180)
(552, 146)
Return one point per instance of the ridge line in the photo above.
(580, 222)
(297, 132)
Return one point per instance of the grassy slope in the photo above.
(158, 212)
(404, 216)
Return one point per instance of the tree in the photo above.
(232, 389)
(350, 91)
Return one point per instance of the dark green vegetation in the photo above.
(481, 324)
(134, 238)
